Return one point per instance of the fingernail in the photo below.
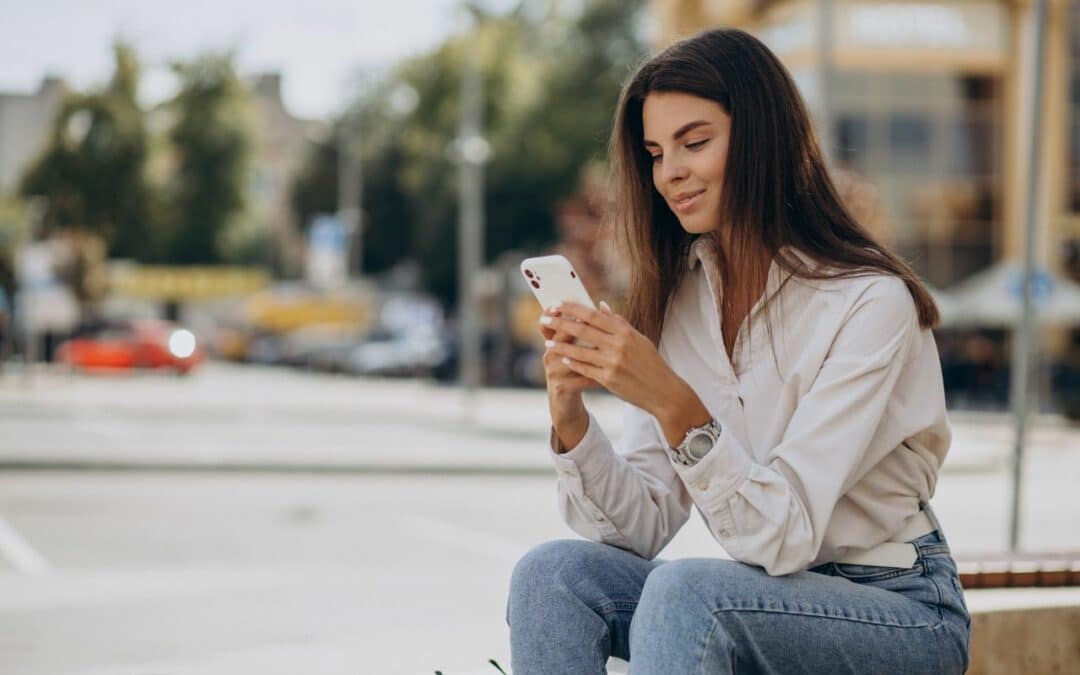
(546, 320)
(549, 343)
(605, 305)
(566, 360)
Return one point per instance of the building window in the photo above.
(929, 144)
(909, 142)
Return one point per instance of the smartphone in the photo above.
(553, 280)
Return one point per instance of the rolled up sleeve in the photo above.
(628, 497)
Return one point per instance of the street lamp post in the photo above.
(825, 77)
(350, 190)
(472, 153)
(1024, 334)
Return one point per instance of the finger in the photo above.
(591, 356)
(555, 369)
(585, 369)
(547, 331)
(581, 330)
(573, 380)
(605, 321)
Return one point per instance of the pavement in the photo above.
(260, 520)
(256, 418)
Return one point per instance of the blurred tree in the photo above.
(92, 173)
(211, 139)
(551, 81)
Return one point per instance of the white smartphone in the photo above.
(552, 280)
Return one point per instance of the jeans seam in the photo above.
(708, 640)
(940, 598)
(818, 615)
(933, 549)
(915, 570)
(613, 607)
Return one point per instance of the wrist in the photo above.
(570, 429)
(682, 412)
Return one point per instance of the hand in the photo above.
(624, 361)
(568, 413)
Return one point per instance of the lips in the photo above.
(686, 201)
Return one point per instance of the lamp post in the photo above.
(351, 189)
(472, 152)
(1024, 335)
(825, 76)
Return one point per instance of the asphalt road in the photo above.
(230, 573)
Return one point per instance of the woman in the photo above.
(780, 376)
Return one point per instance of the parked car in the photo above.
(419, 351)
(148, 343)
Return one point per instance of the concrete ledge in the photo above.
(1024, 631)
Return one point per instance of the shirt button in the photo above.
(724, 532)
(703, 485)
(600, 517)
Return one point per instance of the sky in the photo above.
(319, 46)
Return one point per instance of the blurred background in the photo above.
(271, 397)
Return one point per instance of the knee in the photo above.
(549, 565)
(678, 593)
(670, 589)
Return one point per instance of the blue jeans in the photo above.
(574, 603)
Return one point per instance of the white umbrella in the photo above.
(994, 298)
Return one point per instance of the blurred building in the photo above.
(927, 103)
(25, 121)
(282, 142)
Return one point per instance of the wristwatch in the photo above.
(697, 443)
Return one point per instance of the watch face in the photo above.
(699, 445)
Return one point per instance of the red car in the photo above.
(140, 344)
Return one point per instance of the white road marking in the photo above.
(20, 553)
(464, 538)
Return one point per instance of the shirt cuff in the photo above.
(593, 456)
(713, 480)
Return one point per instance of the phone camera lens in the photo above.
(529, 273)
(572, 275)
(535, 285)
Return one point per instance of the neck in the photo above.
(744, 280)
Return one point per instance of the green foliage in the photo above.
(92, 173)
(12, 225)
(551, 82)
(212, 140)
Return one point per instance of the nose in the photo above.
(672, 171)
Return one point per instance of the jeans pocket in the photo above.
(862, 574)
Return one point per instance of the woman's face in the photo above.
(687, 137)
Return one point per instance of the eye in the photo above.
(656, 158)
(697, 144)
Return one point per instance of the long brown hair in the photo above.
(777, 191)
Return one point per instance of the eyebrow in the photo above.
(682, 131)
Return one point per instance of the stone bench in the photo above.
(1025, 613)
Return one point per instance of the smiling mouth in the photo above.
(688, 202)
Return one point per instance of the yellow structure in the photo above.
(183, 283)
(928, 101)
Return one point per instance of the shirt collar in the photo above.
(703, 250)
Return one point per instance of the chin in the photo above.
(697, 226)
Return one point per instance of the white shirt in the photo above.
(827, 448)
